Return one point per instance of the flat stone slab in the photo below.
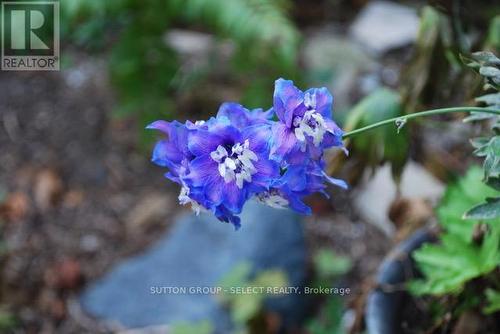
(382, 26)
(199, 252)
(378, 191)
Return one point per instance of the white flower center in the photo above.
(237, 164)
(273, 199)
(311, 123)
(184, 199)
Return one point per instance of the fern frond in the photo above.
(252, 23)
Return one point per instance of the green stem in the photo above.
(400, 121)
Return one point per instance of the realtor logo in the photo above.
(30, 36)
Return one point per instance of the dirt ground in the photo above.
(78, 195)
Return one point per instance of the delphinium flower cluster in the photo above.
(274, 156)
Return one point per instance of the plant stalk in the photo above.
(400, 121)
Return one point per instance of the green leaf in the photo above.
(488, 210)
(489, 71)
(494, 33)
(459, 198)
(493, 298)
(329, 265)
(8, 321)
(492, 100)
(259, 23)
(478, 116)
(448, 265)
(384, 144)
(486, 58)
(486, 63)
(270, 278)
(480, 145)
(237, 276)
(243, 307)
(329, 321)
(494, 182)
(202, 327)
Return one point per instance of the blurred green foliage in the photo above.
(202, 327)
(467, 249)
(328, 267)
(383, 144)
(329, 321)
(246, 307)
(487, 147)
(8, 321)
(145, 70)
(494, 34)
(493, 298)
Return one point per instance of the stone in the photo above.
(382, 26)
(199, 252)
(335, 62)
(378, 191)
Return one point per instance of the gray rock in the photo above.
(335, 61)
(378, 191)
(198, 252)
(383, 25)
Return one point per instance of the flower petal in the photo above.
(283, 141)
(337, 182)
(161, 125)
(236, 113)
(323, 100)
(202, 142)
(202, 170)
(234, 198)
(259, 137)
(286, 99)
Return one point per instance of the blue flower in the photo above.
(230, 165)
(219, 163)
(304, 121)
(241, 154)
(172, 152)
(241, 117)
(299, 180)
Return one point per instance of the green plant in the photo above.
(488, 147)
(449, 265)
(245, 307)
(329, 321)
(381, 145)
(147, 73)
(202, 327)
(8, 321)
(328, 266)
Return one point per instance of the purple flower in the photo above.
(230, 165)
(219, 163)
(304, 120)
(240, 154)
(172, 152)
(298, 181)
(241, 117)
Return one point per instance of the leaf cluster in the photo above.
(468, 249)
(487, 147)
(245, 307)
(147, 73)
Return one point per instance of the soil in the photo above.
(78, 195)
